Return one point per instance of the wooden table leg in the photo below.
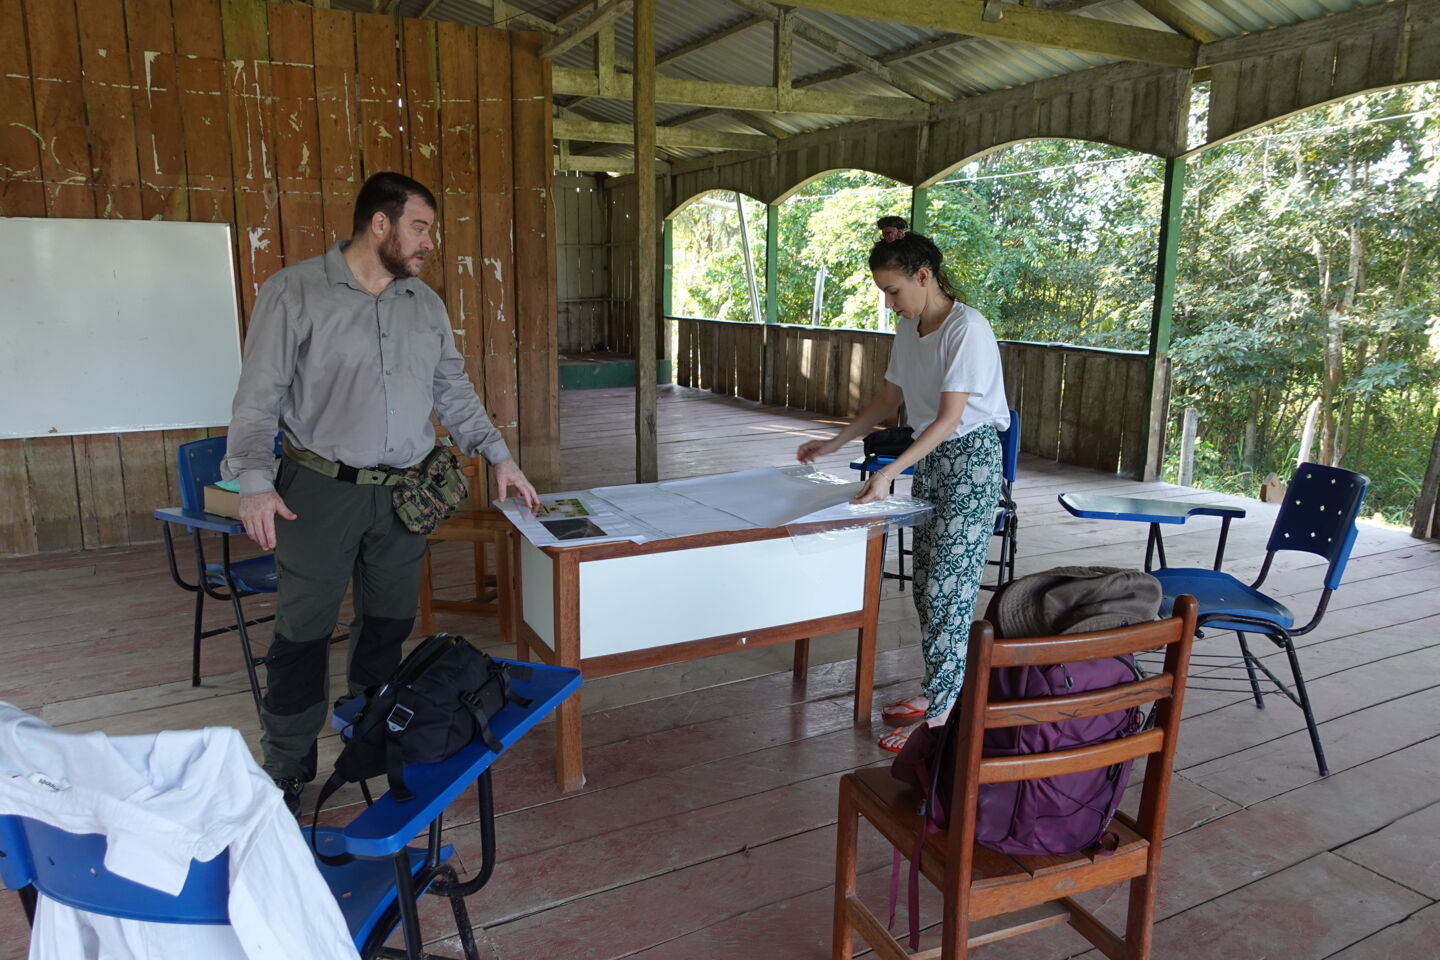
(869, 630)
(569, 766)
(802, 659)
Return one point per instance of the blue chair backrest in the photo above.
(70, 869)
(1318, 515)
(199, 465)
(1010, 448)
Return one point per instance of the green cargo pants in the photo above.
(339, 529)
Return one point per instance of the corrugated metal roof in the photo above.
(950, 67)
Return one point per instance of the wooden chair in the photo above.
(987, 895)
(479, 525)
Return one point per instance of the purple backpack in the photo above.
(1055, 815)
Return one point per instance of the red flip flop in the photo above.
(902, 710)
(894, 741)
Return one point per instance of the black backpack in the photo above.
(440, 699)
(888, 443)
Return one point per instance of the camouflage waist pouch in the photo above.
(431, 493)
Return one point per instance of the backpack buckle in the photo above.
(399, 718)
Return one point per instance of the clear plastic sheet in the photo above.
(803, 500)
(834, 525)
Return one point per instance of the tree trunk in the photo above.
(1252, 427)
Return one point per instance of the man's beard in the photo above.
(392, 258)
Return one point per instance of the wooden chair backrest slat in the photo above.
(1069, 648)
(1032, 766)
(1019, 713)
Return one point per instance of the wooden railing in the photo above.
(1077, 405)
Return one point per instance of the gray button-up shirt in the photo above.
(350, 376)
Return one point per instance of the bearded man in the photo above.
(347, 355)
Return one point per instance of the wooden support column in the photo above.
(667, 268)
(1170, 223)
(647, 458)
(772, 299)
(920, 210)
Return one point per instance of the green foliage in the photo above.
(1308, 273)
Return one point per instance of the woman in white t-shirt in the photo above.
(945, 367)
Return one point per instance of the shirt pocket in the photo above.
(422, 355)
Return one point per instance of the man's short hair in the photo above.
(897, 222)
(387, 193)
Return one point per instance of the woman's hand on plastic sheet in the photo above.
(876, 488)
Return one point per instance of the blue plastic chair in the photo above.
(228, 581)
(1007, 519)
(1317, 516)
(377, 891)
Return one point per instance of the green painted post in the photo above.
(772, 261)
(772, 301)
(920, 210)
(1160, 319)
(667, 281)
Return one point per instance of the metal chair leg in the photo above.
(199, 636)
(405, 900)
(446, 873)
(1250, 669)
(245, 648)
(1014, 543)
(1304, 696)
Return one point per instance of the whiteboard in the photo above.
(115, 325)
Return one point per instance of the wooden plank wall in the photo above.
(619, 203)
(268, 117)
(1077, 405)
(581, 258)
(1138, 106)
(1260, 77)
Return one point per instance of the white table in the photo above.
(609, 608)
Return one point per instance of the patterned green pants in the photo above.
(961, 477)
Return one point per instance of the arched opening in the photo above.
(1305, 324)
(717, 258)
(1053, 240)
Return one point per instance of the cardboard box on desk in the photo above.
(223, 502)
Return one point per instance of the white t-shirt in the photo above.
(962, 356)
(162, 800)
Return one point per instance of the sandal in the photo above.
(894, 741)
(911, 708)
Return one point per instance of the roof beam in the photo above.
(569, 81)
(578, 128)
(840, 49)
(1170, 14)
(604, 16)
(503, 14)
(1032, 25)
(576, 163)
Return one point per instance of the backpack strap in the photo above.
(395, 767)
(326, 792)
(482, 722)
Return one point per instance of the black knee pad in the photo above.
(295, 675)
(377, 649)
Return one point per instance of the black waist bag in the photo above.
(888, 443)
(440, 699)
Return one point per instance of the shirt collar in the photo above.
(337, 270)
